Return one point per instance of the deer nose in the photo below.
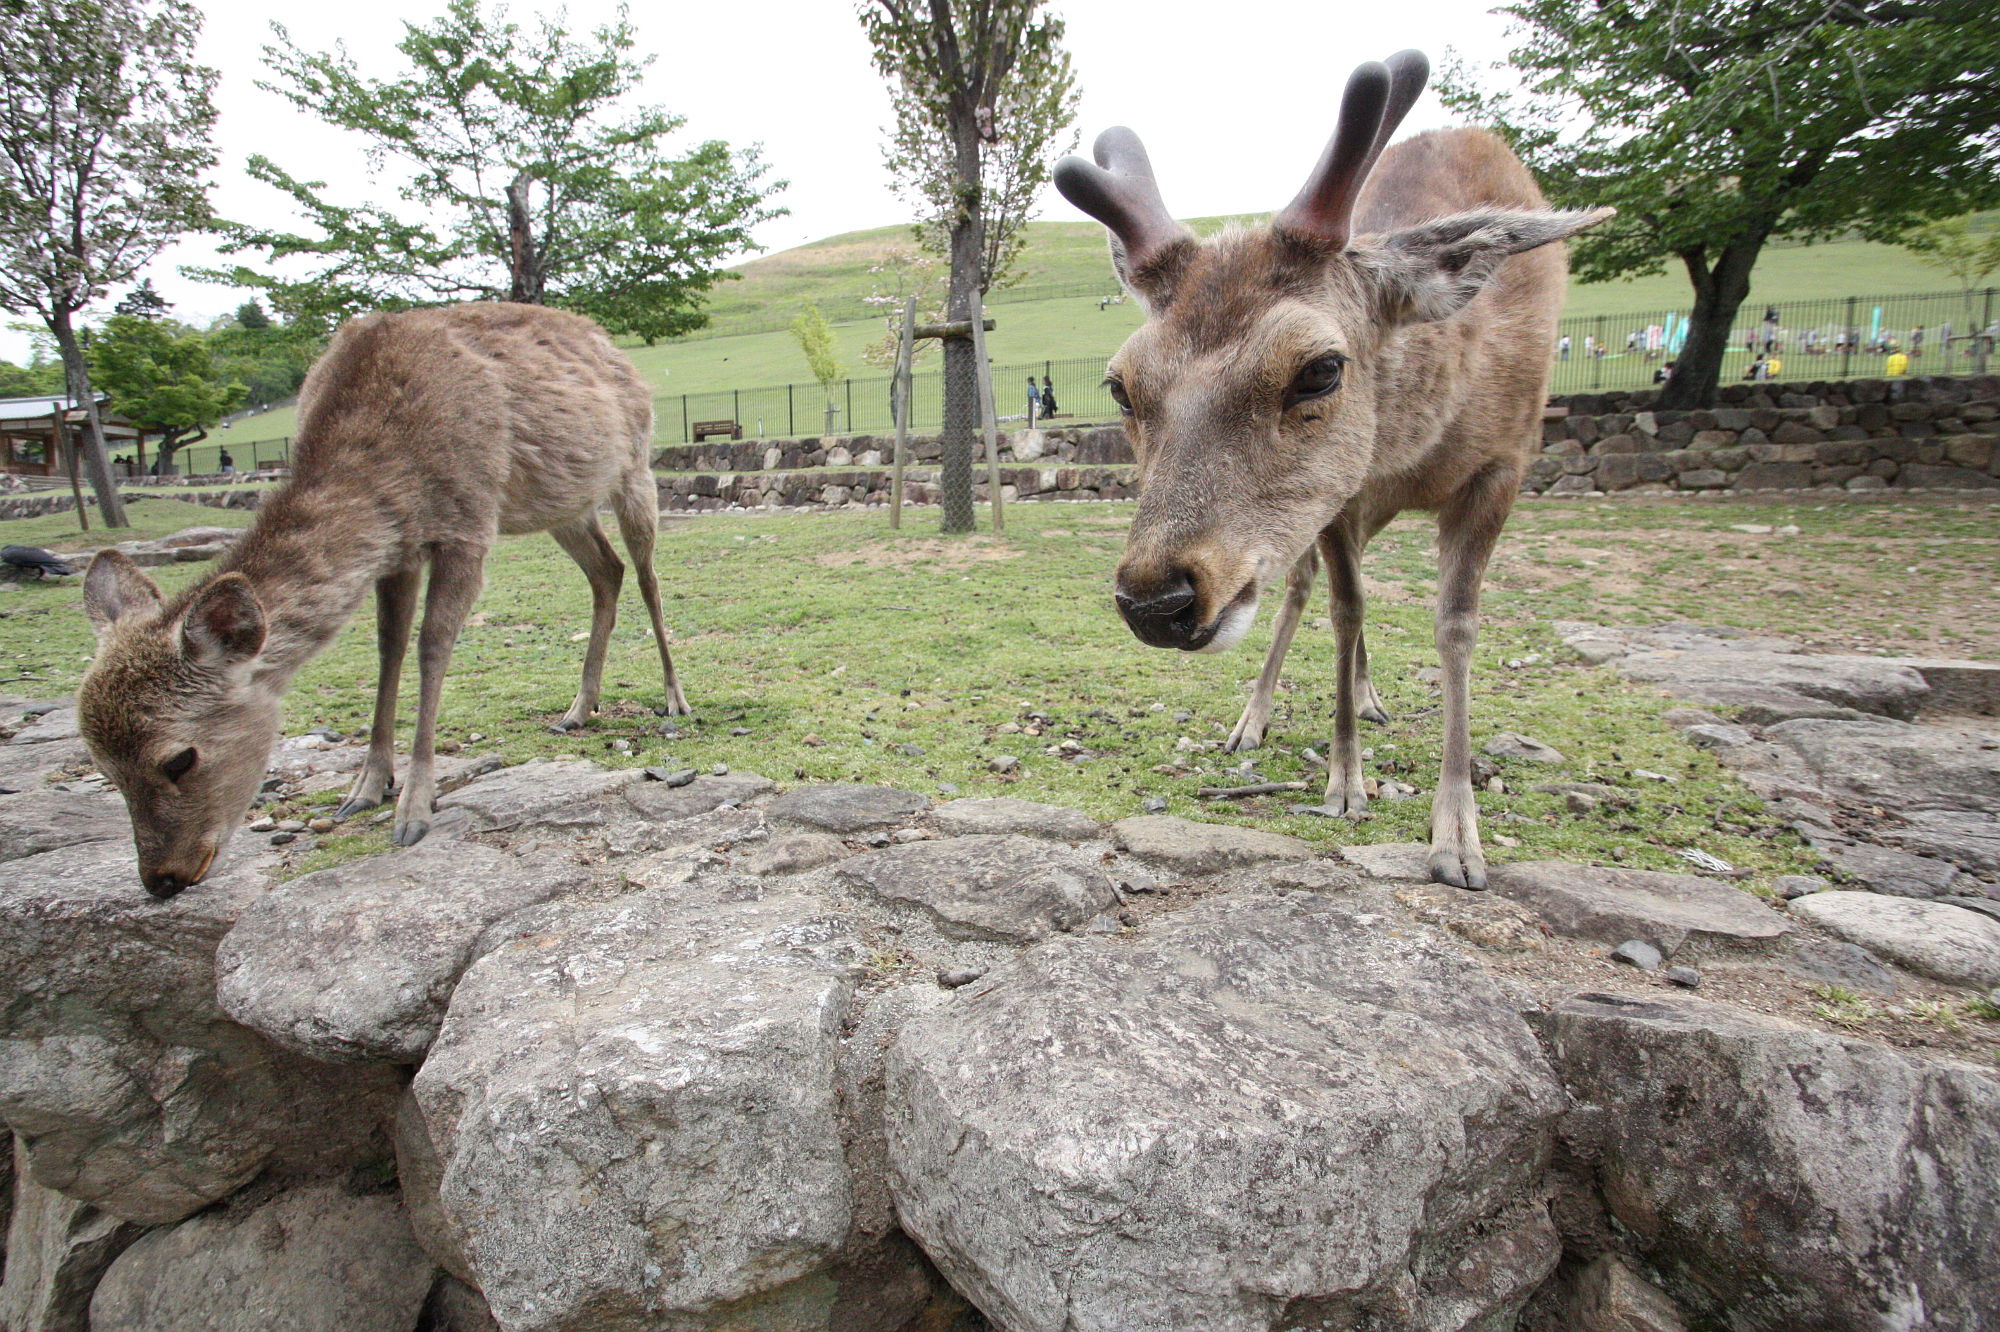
(1162, 616)
(164, 884)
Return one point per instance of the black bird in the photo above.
(43, 562)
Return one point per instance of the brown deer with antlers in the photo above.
(1382, 346)
(423, 436)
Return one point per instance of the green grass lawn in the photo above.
(845, 652)
(834, 273)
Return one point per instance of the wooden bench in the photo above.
(701, 430)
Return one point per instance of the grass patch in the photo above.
(152, 516)
(843, 652)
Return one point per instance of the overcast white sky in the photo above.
(1233, 99)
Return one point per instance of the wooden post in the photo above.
(983, 374)
(900, 397)
(60, 441)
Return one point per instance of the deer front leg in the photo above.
(395, 611)
(1249, 732)
(1345, 793)
(457, 572)
(1466, 533)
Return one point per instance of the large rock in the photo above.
(57, 1249)
(314, 1259)
(1883, 869)
(1903, 766)
(1012, 889)
(355, 964)
(28, 767)
(1778, 1178)
(529, 791)
(848, 808)
(1866, 684)
(657, 800)
(56, 724)
(1670, 911)
(1272, 1111)
(130, 1086)
(634, 1115)
(1970, 841)
(37, 821)
(1203, 848)
(1006, 815)
(1934, 939)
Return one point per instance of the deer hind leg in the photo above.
(1345, 793)
(395, 611)
(584, 540)
(1370, 708)
(638, 508)
(1467, 530)
(1249, 732)
(457, 572)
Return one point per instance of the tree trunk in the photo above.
(523, 260)
(961, 385)
(1718, 294)
(96, 463)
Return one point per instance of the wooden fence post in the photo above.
(983, 373)
(899, 394)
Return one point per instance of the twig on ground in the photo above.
(1238, 792)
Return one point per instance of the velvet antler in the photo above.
(1379, 94)
(1121, 193)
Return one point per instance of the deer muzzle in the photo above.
(1185, 607)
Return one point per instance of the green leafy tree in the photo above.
(36, 379)
(251, 318)
(105, 119)
(1957, 245)
(815, 339)
(1718, 128)
(984, 97)
(521, 177)
(163, 375)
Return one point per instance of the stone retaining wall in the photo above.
(866, 487)
(1080, 444)
(37, 505)
(1862, 435)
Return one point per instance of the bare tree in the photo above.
(983, 95)
(104, 155)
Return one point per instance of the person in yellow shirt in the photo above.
(1899, 364)
(1772, 365)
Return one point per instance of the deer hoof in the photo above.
(565, 726)
(1243, 737)
(353, 805)
(1373, 713)
(1458, 871)
(411, 831)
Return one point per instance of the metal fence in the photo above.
(1841, 337)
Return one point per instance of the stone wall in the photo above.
(1068, 444)
(867, 487)
(46, 502)
(1867, 434)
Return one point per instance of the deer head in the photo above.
(173, 714)
(1250, 394)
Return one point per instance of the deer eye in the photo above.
(180, 765)
(1119, 395)
(1319, 378)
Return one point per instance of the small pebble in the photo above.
(1580, 803)
(264, 825)
(272, 784)
(721, 770)
(34, 710)
(739, 730)
(958, 976)
(283, 838)
(1792, 886)
(449, 746)
(1497, 785)
(1156, 805)
(903, 836)
(321, 825)
(947, 788)
(1003, 763)
(291, 825)
(684, 777)
(1685, 977)
(1128, 919)
(1638, 953)
(877, 839)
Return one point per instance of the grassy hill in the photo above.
(1051, 311)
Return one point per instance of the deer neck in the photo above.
(312, 556)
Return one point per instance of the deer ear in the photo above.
(114, 588)
(1432, 271)
(225, 624)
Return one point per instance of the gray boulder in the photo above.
(1670, 911)
(1934, 939)
(1271, 1111)
(132, 1088)
(28, 767)
(57, 1249)
(355, 964)
(1514, 745)
(314, 1259)
(848, 808)
(1203, 848)
(1866, 684)
(657, 800)
(634, 1116)
(1777, 1178)
(56, 724)
(533, 790)
(37, 821)
(1884, 869)
(1012, 889)
(1905, 767)
(1970, 841)
(1030, 818)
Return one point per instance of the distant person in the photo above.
(225, 464)
(1048, 398)
(1562, 348)
(1756, 370)
(1664, 373)
(1916, 341)
(1772, 366)
(1034, 402)
(1897, 364)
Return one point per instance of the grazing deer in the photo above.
(1294, 388)
(422, 437)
